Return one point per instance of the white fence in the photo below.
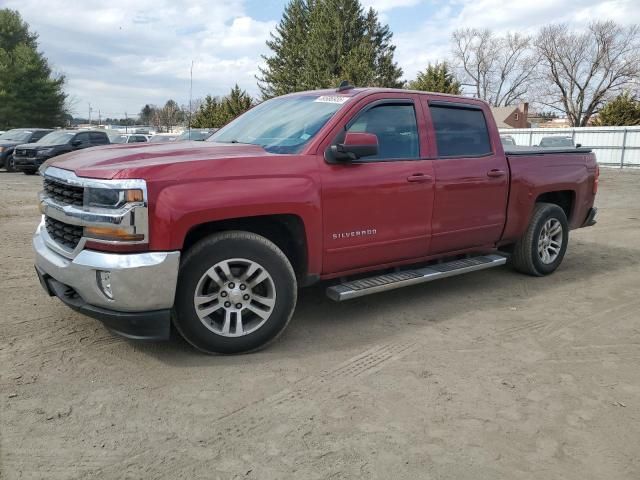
(615, 146)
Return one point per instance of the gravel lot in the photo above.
(493, 375)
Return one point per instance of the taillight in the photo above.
(596, 180)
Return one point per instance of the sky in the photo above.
(119, 55)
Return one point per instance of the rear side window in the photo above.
(38, 135)
(98, 138)
(460, 132)
(396, 128)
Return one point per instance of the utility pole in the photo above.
(190, 96)
(126, 123)
(89, 114)
(99, 118)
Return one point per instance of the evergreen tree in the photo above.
(318, 43)
(282, 72)
(437, 78)
(209, 115)
(30, 95)
(236, 103)
(624, 110)
(146, 114)
(215, 112)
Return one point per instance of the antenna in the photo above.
(344, 85)
(190, 96)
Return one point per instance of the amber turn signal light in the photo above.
(132, 196)
(112, 233)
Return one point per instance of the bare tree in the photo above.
(499, 69)
(580, 71)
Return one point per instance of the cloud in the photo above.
(430, 42)
(386, 5)
(121, 55)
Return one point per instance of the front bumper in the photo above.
(28, 163)
(142, 284)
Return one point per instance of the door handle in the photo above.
(419, 178)
(495, 173)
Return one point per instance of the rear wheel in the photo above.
(29, 172)
(541, 249)
(236, 293)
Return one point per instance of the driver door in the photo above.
(377, 210)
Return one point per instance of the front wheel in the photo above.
(542, 247)
(10, 164)
(236, 293)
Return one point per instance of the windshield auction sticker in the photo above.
(331, 99)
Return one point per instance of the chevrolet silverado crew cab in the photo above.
(370, 189)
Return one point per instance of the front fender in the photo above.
(178, 208)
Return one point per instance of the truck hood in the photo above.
(143, 159)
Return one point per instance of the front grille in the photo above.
(63, 233)
(64, 193)
(31, 153)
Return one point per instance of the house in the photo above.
(513, 116)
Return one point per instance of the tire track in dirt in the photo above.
(247, 420)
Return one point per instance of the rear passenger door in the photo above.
(472, 180)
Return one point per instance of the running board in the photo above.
(391, 281)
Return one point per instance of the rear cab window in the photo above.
(461, 130)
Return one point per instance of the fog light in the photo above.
(104, 282)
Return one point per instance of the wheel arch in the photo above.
(286, 231)
(565, 199)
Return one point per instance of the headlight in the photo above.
(111, 198)
(1, 149)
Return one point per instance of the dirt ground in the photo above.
(492, 375)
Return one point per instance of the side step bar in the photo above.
(391, 281)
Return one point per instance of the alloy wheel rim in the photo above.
(235, 297)
(550, 241)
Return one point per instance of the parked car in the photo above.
(9, 140)
(323, 185)
(163, 137)
(507, 140)
(557, 141)
(128, 138)
(196, 134)
(29, 157)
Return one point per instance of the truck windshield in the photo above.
(281, 125)
(56, 138)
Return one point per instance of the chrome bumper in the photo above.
(140, 282)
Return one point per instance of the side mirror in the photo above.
(76, 143)
(355, 145)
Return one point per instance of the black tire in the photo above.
(218, 248)
(9, 164)
(29, 172)
(526, 257)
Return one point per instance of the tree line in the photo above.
(318, 43)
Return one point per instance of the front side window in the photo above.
(395, 126)
(460, 132)
(82, 138)
(282, 125)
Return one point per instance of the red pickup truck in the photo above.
(374, 188)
